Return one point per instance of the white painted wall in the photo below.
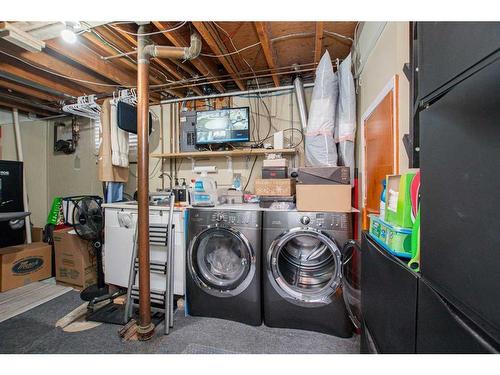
(33, 136)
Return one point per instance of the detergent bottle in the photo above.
(204, 192)
(382, 200)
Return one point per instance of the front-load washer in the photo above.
(303, 271)
(223, 264)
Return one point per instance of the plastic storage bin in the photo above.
(395, 240)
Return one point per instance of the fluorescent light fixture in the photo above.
(68, 35)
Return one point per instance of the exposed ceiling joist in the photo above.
(28, 102)
(20, 38)
(267, 48)
(318, 41)
(25, 82)
(28, 91)
(81, 55)
(50, 63)
(41, 79)
(204, 67)
(210, 36)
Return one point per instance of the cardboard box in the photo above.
(278, 187)
(24, 264)
(75, 263)
(323, 175)
(324, 198)
(36, 234)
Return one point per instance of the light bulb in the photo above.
(68, 35)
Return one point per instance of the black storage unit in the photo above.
(460, 160)
(442, 328)
(11, 200)
(388, 300)
(455, 302)
(447, 49)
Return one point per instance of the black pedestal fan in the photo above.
(88, 223)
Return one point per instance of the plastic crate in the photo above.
(395, 240)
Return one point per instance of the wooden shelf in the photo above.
(214, 154)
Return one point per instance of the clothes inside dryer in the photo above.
(222, 259)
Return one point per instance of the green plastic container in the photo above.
(398, 200)
(395, 240)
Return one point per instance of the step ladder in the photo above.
(160, 235)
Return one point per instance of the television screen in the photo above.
(222, 126)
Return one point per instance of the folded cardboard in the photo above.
(24, 264)
(324, 198)
(36, 234)
(279, 187)
(75, 262)
(323, 175)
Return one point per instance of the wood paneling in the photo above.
(379, 150)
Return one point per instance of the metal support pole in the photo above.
(20, 157)
(145, 329)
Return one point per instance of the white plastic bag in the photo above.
(346, 127)
(320, 147)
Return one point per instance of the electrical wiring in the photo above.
(250, 174)
(231, 53)
(61, 75)
(149, 34)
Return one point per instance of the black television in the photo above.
(229, 125)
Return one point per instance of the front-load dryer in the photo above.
(304, 269)
(223, 264)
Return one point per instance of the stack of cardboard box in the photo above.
(324, 189)
(275, 186)
(75, 263)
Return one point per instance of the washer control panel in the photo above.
(327, 221)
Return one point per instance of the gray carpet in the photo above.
(34, 332)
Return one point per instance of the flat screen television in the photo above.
(222, 126)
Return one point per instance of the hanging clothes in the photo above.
(119, 140)
(114, 192)
(106, 170)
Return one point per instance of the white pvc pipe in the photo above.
(20, 157)
(234, 93)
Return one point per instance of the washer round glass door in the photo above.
(305, 266)
(221, 261)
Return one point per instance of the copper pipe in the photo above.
(145, 52)
(145, 328)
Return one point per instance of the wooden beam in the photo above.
(172, 71)
(41, 79)
(79, 53)
(45, 61)
(211, 37)
(29, 91)
(318, 41)
(269, 53)
(28, 101)
(202, 65)
(103, 49)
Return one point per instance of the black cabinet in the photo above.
(11, 200)
(460, 220)
(447, 49)
(388, 300)
(442, 328)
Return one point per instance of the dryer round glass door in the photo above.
(304, 266)
(221, 261)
